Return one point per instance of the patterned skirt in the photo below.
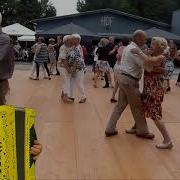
(152, 97)
(103, 66)
(52, 57)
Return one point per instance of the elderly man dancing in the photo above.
(130, 73)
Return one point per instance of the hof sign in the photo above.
(106, 21)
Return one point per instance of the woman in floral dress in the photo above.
(153, 92)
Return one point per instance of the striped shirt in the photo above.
(41, 53)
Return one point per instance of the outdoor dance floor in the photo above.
(74, 145)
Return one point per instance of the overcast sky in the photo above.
(65, 7)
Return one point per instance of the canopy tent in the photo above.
(117, 35)
(68, 29)
(27, 38)
(155, 32)
(18, 30)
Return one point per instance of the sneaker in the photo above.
(68, 100)
(146, 136)
(163, 145)
(131, 131)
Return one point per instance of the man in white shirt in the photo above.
(130, 73)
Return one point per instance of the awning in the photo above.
(155, 32)
(18, 30)
(117, 35)
(26, 38)
(68, 29)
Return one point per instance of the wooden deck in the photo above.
(74, 146)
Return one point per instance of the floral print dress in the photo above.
(153, 94)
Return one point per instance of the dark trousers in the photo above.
(106, 80)
(4, 88)
(45, 66)
(58, 73)
(178, 80)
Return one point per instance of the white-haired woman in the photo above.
(65, 69)
(153, 92)
(77, 66)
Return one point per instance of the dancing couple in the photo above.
(147, 105)
(72, 67)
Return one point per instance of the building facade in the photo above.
(103, 22)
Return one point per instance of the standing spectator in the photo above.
(41, 57)
(116, 70)
(112, 48)
(173, 49)
(52, 55)
(7, 57)
(84, 50)
(57, 48)
(34, 64)
(169, 67)
(95, 60)
(178, 58)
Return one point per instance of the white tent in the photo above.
(26, 38)
(17, 30)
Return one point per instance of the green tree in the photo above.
(23, 11)
(7, 8)
(152, 9)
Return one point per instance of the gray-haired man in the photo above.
(6, 63)
(129, 76)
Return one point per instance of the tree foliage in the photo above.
(153, 9)
(23, 11)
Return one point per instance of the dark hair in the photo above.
(41, 39)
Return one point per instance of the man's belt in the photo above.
(132, 77)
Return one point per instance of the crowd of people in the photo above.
(123, 66)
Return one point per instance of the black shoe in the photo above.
(168, 89)
(109, 134)
(82, 101)
(113, 101)
(106, 86)
(57, 74)
(73, 99)
(146, 136)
